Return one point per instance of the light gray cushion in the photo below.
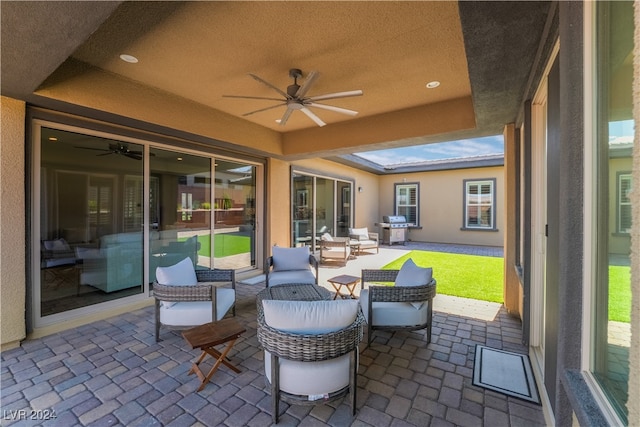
(192, 313)
(178, 274)
(290, 258)
(58, 245)
(292, 276)
(310, 317)
(364, 232)
(412, 275)
(327, 237)
(394, 313)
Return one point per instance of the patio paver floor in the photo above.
(112, 372)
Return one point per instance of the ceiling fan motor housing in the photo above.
(294, 73)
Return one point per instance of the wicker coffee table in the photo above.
(293, 292)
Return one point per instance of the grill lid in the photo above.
(394, 219)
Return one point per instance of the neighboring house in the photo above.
(107, 162)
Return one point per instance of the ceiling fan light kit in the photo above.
(295, 98)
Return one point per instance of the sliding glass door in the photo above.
(235, 215)
(90, 233)
(107, 211)
(319, 205)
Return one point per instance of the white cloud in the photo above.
(437, 151)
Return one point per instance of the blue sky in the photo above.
(437, 151)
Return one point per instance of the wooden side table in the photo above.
(206, 337)
(350, 282)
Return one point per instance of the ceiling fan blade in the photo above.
(106, 154)
(309, 81)
(332, 108)
(264, 109)
(251, 97)
(336, 95)
(90, 148)
(285, 116)
(133, 156)
(313, 117)
(266, 83)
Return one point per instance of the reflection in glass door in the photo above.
(180, 209)
(319, 205)
(235, 215)
(88, 254)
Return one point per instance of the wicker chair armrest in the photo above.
(377, 276)
(403, 293)
(217, 275)
(183, 293)
(311, 347)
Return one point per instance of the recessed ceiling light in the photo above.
(179, 159)
(129, 58)
(432, 85)
(53, 138)
(278, 120)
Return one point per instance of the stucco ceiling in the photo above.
(482, 54)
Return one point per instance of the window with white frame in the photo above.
(479, 204)
(624, 203)
(407, 202)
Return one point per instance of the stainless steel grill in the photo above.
(394, 229)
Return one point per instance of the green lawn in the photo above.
(224, 245)
(481, 278)
(468, 276)
(620, 293)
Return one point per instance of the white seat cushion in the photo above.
(311, 378)
(197, 312)
(291, 276)
(336, 252)
(394, 313)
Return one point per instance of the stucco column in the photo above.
(512, 288)
(12, 223)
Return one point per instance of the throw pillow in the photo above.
(310, 317)
(290, 258)
(412, 275)
(58, 245)
(180, 274)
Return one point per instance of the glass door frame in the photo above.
(337, 199)
(39, 119)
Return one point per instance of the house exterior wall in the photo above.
(441, 205)
(12, 223)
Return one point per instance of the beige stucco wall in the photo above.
(12, 223)
(441, 205)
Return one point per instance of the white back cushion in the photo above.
(290, 258)
(57, 245)
(310, 317)
(178, 274)
(412, 275)
(327, 237)
(360, 232)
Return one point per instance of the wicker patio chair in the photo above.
(182, 306)
(399, 301)
(310, 348)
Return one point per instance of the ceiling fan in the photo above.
(295, 98)
(116, 148)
